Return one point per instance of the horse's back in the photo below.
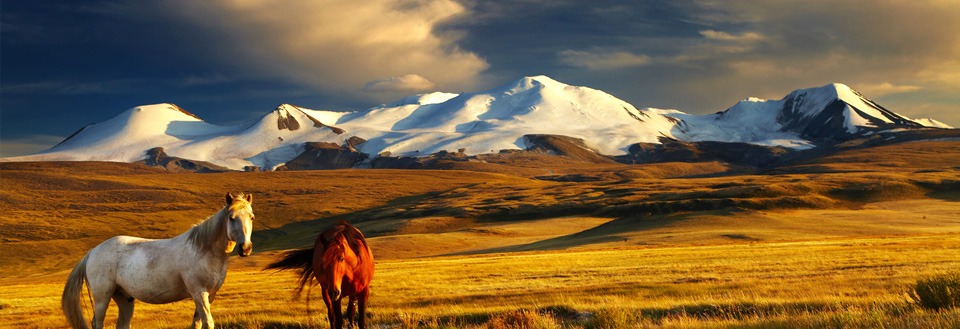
(138, 266)
(108, 253)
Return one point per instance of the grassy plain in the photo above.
(835, 242)
(846, 282)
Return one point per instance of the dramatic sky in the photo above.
(66, 64)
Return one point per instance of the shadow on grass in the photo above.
(303, 234)
(608, 232)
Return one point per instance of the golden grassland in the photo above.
(834, 242)
(843, 282)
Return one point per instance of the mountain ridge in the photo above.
(501, 118)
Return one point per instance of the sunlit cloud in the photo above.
(724, 36)
(409, 82)
(884, 88)
(341, 46)
(602, 60)
(944, 75)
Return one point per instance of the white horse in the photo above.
(190, 265)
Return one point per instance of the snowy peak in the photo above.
(534, 82)
(265, 142)
(836, 111)
(496, 119)
(136, 123)
(801, 119)
(291, 117)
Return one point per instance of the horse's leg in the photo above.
(338, 312)
(202, 318)
(125, 304)
(101, 291)
(351, 311)
(331, 317)
(99, 311)
(362, 307)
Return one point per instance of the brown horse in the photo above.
(341, 262)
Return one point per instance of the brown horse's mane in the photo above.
(354, 238)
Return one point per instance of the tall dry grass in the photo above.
(860, 282)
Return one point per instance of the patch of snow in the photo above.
(853, 121)
(928, 122)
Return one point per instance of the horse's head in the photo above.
(239, 222)
(339, 261)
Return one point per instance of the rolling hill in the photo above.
(54, 210)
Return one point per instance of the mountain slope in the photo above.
(805, 116)
(497, 119)
(507, 117)
(266, 142)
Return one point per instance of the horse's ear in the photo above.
(249, 198)
(229, 198)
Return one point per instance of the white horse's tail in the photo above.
(71, 295)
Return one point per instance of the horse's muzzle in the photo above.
(246, 250)
(334, 294)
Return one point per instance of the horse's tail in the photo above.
(300, 260)
(71, 295)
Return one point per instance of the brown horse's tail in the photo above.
(71, 295)
(300, 260)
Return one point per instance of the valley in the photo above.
(834, 240)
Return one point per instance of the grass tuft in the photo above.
(938, 292)
(615, 318)
(523, 319)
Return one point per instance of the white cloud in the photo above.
(340, 45)
(724, 36)
(409, 82)
(602, 60)
(884, 88)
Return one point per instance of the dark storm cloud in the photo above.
(529, 35)
(702, 56)
(229, 61)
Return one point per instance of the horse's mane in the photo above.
(354, 238)
(204, 234)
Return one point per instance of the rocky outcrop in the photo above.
(566, 146)
(672, 150)
(432, 161)
(323, 155)
(156, 157)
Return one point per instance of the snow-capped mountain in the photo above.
(480, 122)
(497, 119)
(267, 141)
(803, 117)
